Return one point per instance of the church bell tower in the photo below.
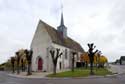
(62, 28)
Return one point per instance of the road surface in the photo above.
(5, 79)
(120, 69)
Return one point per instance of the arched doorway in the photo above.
(40, 64)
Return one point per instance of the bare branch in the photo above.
(89, 45)
(52, 54)
(96, 51)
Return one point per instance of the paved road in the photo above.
(5, 79)
(120, 69)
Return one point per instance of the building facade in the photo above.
(122, 60)
(47, 38)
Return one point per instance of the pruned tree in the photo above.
(55, 58)
(22, 64)
(13, 64)
(91, 54)
(73, 60)
(22, 59)
(29, 60)
(18, 61)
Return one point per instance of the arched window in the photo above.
(66, 56)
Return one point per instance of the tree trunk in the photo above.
(86, 64)
(13, 68)
(54, 69)
(18, 70)
(91, 68)
(103, 65)
(22, 67)
(91, 65)
(73, 64)
(82, 66)
(29, 69)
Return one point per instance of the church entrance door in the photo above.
(40, 64)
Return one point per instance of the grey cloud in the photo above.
(98, 21)
(117, 15)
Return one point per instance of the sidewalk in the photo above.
(34, 74)
(42, 75)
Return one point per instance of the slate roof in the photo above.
(57, 38)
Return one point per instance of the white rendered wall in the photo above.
(40, 43)
(65, 62)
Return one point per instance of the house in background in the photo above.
(122, 60)
(117, 61)
(46, 37)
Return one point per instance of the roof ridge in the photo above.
(46, 24)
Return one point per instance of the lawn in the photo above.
(81, 73)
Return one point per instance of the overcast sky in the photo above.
(99, 21)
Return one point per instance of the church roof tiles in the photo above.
(58, 38)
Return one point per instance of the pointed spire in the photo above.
(62, 28)
(62, 21)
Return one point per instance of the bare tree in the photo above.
(18, 61)
(91, 56)
(73, 60)
(13, 64)
(22, 65)
(29, 59)
(55, 58)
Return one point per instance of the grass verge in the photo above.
(81, 73)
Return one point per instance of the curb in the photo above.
(28, 77)
(41, 77)
(44, 77)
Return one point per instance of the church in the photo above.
(45, 38)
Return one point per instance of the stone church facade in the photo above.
(47, 38)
